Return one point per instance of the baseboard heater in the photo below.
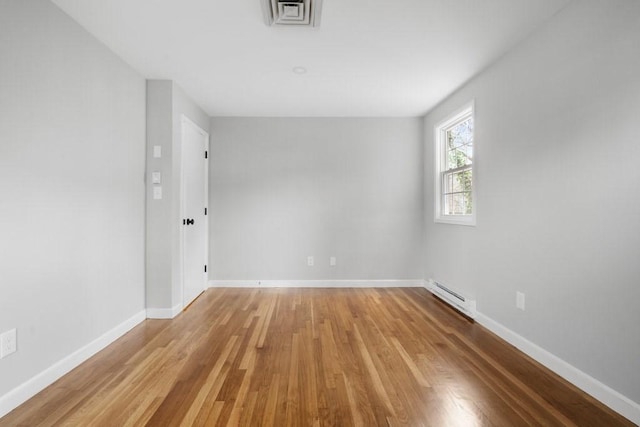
(455, 299)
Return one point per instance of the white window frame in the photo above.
(468, 110)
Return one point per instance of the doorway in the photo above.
(195, 228)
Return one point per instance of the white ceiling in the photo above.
(376, 58)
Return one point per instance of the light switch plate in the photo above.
(157, 193)
(156, 178)
(157, 151)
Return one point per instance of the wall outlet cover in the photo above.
(520, 300)
(8, 343)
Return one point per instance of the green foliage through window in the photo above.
(458, 174)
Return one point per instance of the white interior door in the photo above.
(195, 142)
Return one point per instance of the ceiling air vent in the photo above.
(292, 12)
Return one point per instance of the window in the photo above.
(455, 189)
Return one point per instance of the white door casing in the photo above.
(194, 202)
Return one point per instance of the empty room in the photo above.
(319, 213)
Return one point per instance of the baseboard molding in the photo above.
(164, 313)
(416, 283)
(605, 394)
(31, 387)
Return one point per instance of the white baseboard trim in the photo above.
(31, 387)
(605, 394)
(164, 313)
(415, 283)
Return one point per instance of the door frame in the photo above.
(186, 121)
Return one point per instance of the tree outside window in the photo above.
(454, 147)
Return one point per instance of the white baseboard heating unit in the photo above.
(456, 300)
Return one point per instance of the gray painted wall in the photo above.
(72, 135)
(282, 189)
(159, 220)
(166, 103)
(558, 199)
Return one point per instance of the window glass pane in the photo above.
(465, 179)
(458, 181)
(451, 160)
(457, 193)
(460, 134)
(459, 139)
(455, 159)
(458, 157)
(457, 184)
(448, 204)
(468, 203)
(458, 204)
(470, 153)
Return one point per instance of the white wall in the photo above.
(558, 209)
(282, 189)
(166, 103)
(72, 135)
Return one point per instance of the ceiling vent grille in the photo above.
(292, 12)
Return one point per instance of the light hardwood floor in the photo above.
(312, 357)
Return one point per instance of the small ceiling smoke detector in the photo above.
(292, 12)
(299, 70)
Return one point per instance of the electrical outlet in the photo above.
(310, 261)
(8, 343)
(520, 300)
(332, 261)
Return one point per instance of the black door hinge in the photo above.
(205, 268)
(206, 154)
(205, 211)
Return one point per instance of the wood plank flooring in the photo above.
(312, 357)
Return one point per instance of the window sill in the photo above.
(459, 220)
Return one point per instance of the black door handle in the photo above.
(190, 221)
